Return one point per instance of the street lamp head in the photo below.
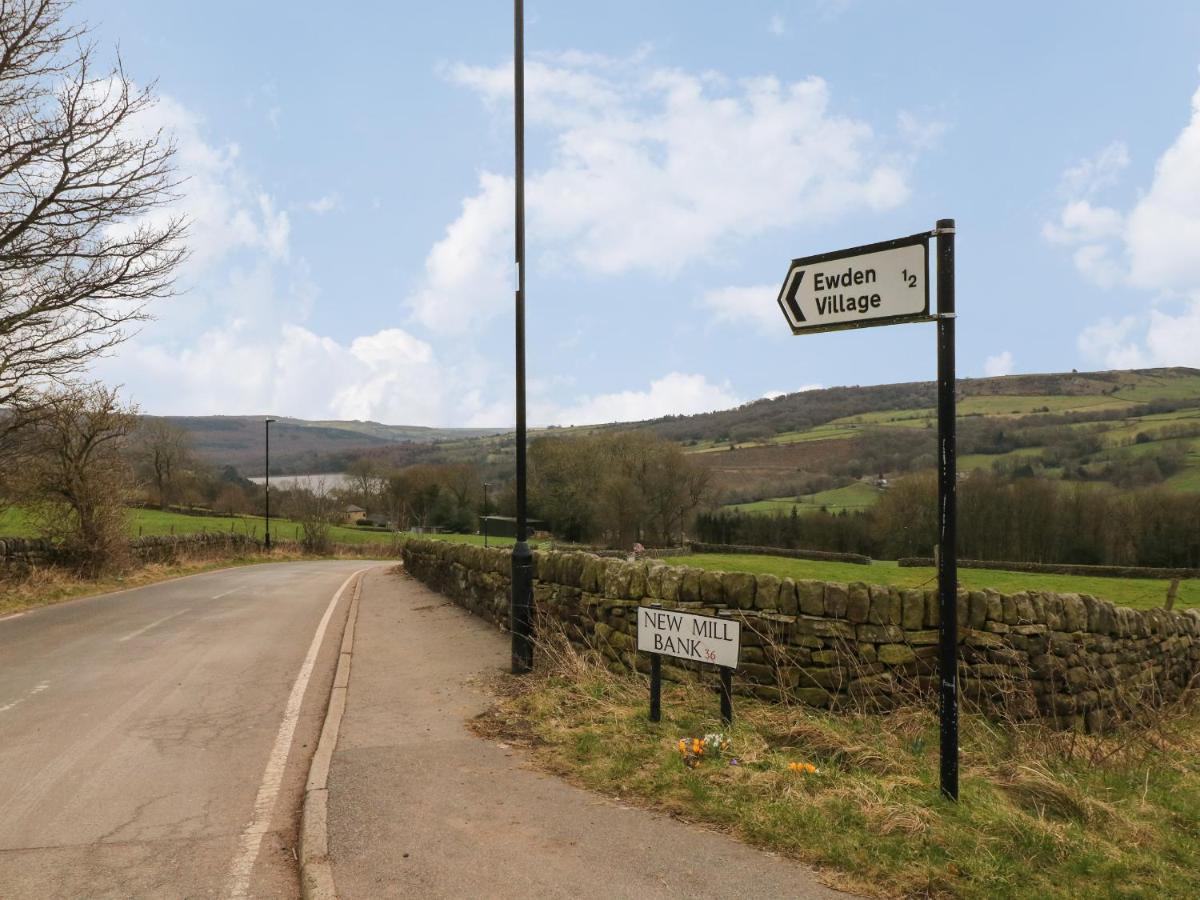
(268, 421)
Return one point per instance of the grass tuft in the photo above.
(1041, 814)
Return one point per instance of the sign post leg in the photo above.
(726, 695)
(947, 562)
(655, 687)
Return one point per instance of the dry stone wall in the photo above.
(1073, 658)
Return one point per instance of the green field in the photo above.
(1140, 593)
(15, 523)
(851, 497)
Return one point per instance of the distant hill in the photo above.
(1129, 428)
(300, 447)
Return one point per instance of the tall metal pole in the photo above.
(947, 570)
(521, 612)
(267, 479)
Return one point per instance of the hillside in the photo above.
(1129, 428)
(300, 447)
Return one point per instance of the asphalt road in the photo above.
(155, 742)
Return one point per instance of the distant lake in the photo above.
(325, 482)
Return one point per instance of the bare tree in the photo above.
(164, 454)
(315, 508)
(85, 242)
(76, 475)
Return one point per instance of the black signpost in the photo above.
(888, 284)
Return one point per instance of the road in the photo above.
(153, 742)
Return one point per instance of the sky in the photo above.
(350, 193)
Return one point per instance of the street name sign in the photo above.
(876, 284)
(705, 639)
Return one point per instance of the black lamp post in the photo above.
(267, 478)
(521, 612)
(486, 511)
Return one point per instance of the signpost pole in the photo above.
(655, 681)
(947, 562)
(655, 687)
(726, 695)
(521, 612)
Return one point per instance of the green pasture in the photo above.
(851, 497)
(14, 522)
(1147, 388)
(1140, 593)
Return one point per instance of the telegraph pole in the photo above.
(521, 610)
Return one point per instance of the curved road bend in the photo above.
(137, 733)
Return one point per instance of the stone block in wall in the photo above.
(712, 589)
(933, 615)
(837, 596)
(812, 696)
(822, 627)
(590, 576)
(1074, 613)
(922, 638)
(788, 599)
(885, 606)
(879, 634)
(671, 590)
(616, 578)
(689, 586)
(766, 591)
(858, 603)
(912, 610)
(810, 597)
(739, 588)
(977, 614)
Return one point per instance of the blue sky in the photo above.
(350, 193)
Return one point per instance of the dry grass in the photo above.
(1042, 813)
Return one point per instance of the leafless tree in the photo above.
(164, 452)
(76, 476)
(85, 241)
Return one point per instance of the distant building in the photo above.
(354, 514)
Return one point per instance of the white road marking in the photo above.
(37, 690)
(226, 594)
(151, 625)
(238, 885)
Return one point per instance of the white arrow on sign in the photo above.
(879, 284)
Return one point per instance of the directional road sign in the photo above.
(877, 284)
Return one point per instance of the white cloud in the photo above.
(469, 274)
(1109, 341)
(754, 304)
(654, 169)
(1151, 248)
(777, 26)
(226, 210)
(920, 133)
(1081, 222)
(1000, 364)
(676, 393)
(1091, 175)
(326, 203)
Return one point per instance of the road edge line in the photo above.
(316, 873)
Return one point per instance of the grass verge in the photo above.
(1041, 814)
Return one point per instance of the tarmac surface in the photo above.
(420, 807)
(143, 747)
